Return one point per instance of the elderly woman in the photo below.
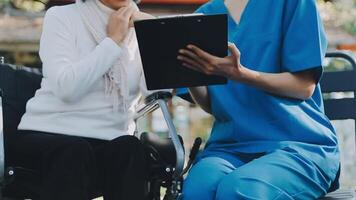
(77, 130)
(271, 138)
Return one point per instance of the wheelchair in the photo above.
(166, 155)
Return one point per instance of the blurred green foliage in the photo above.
(332, 65)
(340, 13)
(26, 5)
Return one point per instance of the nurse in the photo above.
(271, 138)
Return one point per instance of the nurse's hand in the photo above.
(197, 59)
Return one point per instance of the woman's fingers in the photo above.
(138, 15)
(121, 10)
(118, 24)
(127, 13)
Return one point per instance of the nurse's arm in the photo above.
(201, 97)
(300, 85)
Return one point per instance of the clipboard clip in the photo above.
(180, 16)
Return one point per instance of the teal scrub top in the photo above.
(273, 36)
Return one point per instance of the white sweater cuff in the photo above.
(111, 47)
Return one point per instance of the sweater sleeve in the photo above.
(69, 77)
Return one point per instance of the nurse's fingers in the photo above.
(207, 72)
(192, 63)
(203, 54)
(193, 56)
(206, 69)
(235, 52)
(190, 67)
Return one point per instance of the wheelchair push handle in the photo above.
(195, 149)
(193, 154)
(150, 103)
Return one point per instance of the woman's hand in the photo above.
(118, 24)
(138, 15)
(197, 59)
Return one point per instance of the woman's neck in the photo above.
(236, 8)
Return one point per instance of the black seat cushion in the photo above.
(17, 87)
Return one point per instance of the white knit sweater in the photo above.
(72, 98)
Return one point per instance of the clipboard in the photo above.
(160, 39)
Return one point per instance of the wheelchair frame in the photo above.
(152, 103)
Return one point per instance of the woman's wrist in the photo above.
(118, 41)
(111, 46)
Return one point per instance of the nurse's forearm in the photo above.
(201, 97)
(299, 85)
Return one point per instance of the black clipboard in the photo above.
(160, 39)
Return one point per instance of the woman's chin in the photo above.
(116, 4)
(121, 4)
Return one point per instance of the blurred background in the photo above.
(20, 31)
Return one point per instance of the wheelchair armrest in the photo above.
(150, 103)
(158, 95)
(343, 55)
(2, 153)
(159, 100)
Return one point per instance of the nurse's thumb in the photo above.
(235, 52)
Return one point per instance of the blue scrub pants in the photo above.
(282, 174)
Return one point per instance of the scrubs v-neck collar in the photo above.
(220, 5)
